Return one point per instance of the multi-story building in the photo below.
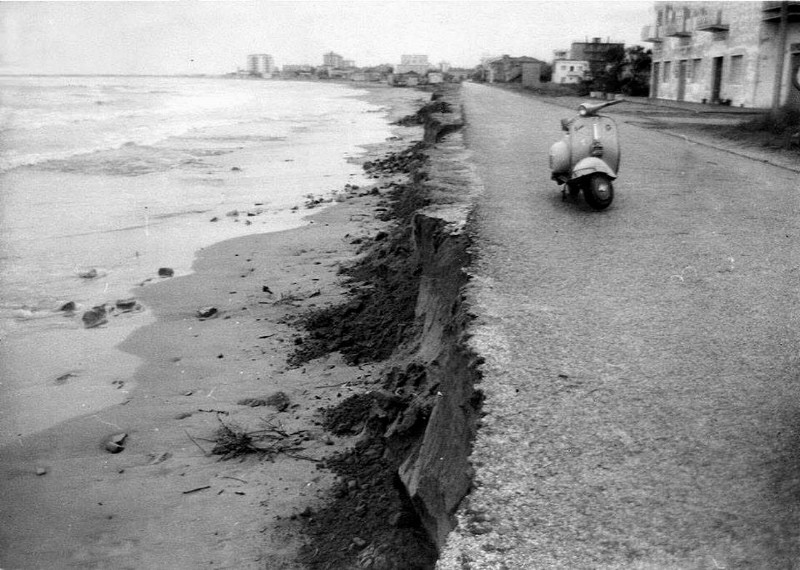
(332, 60)
(739, 53)
(596, 52)
(416, 63)
(260, 64)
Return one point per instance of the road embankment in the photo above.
(401, 483)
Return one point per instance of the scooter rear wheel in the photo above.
(598, 191)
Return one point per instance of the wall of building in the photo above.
(569, 70)
(531, 74)
(747, 53)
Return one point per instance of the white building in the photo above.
(416, 63)
(260, 64)
(569, 70)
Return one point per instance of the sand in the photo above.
(165, 500)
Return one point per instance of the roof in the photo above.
(520, 59)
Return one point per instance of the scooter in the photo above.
(587, 158)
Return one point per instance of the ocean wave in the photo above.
(129, 159)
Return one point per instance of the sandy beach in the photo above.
(213, 358)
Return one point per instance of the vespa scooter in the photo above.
(587, 158)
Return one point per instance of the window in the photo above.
(667, 71)
(572, 68)
(737, 68)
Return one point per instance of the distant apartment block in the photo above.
(569, 71)
(332, 60)
(738, 53)
(260, 64)
(412, 63)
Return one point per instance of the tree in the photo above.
(635, 79)
(546, 74)
(626, 71)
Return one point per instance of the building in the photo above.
(569, 71)
(332, 60)
(597, 52)
(738, 53)
(507, 69)
(260, 65)
(416, 63)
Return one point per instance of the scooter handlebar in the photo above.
(589, 109)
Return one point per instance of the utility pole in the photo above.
(781, 56)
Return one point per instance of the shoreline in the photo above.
(262, 184)
(111, 510)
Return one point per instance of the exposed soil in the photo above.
(379, 315)
(368, 520)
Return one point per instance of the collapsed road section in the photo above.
(401, 483)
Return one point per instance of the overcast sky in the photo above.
(164, 37)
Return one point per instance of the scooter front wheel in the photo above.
(598, 191)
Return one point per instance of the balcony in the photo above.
(771, 11)
(652, 34)
(676, 31)
(711, 23)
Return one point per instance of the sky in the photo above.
(212, 36)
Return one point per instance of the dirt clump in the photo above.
(378, 315)
(367, 523)
(424, 113)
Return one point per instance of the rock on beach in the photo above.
(94, 317)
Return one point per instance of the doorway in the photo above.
(656, 77)
(793, 99)
(682, 79)
(716, 79)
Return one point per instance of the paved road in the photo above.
(642, 372)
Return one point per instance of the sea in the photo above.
(106, 180)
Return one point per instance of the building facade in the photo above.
(332, 60)
(416, 63)
(260, 64)
(569, 71)
(507, 69)
(745, 54)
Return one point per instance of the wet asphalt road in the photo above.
(642, 372)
